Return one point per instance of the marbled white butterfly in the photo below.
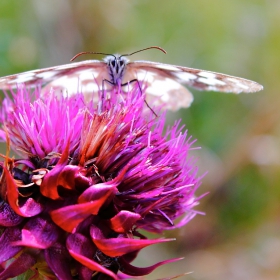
(162, 81)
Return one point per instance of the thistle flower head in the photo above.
(87, 180)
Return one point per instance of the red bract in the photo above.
(88, 179)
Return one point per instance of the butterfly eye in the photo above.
(121, 63)
(113, 62)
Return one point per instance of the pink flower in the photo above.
(86, 181)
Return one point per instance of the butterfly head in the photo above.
(116, 64)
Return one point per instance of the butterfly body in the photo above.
(116, 68)
(164, 82)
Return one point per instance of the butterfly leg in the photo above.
(100, 104)
(138, 83)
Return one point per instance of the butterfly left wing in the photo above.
(68, 77)
(196, 78)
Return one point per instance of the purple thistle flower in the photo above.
(86, 182)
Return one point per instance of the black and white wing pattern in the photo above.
(67, 77)
(165, 82)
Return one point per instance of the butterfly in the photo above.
(164, 82)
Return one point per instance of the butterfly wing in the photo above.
(161, 89)
(163, 81)
(85, 75)
(196, 78)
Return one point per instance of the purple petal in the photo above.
(29, 208)
(94, 266)
(51, 180)
(69, 175)
(80, 248)
(57, 257)
(69, 217)
(63, 176)
(8, 218)
(18, 266)
(84, 272)
(80, 244)
(38, 233)
(124, 221)
(99, 192)
(7, 249)
(115, 247)
(129, 269)
(92, 199)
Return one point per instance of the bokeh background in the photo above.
(239, 237)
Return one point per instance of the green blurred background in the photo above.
(239, 237)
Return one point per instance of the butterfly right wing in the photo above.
(170, 79)
(200, 79)
(161, 89)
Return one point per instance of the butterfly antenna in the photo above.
(82, 53)
(152, 47)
